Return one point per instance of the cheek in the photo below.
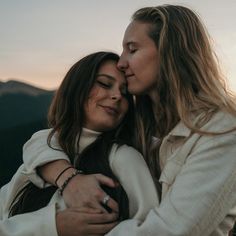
(93, 93)
(94, 96)
(137, 62)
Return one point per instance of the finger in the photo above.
(97, 201)
(100, 228)
(104, 180)
(85, 209)
(88, 209)
(98, 206)
(103, 218)
(113, 205)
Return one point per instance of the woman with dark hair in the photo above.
(169, 63)
(92, 122)
(181, 99)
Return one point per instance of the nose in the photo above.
(116, 95)
(122, 63)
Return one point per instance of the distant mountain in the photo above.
(21, 103)
(13, 86)
(23, 111)
(11, 143)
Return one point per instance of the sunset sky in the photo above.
(41, 39)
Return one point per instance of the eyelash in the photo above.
(107, 86)
(132, 50)
(104, 85)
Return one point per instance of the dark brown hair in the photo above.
(66, 118)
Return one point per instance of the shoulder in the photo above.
(221, 122)
(43, 132)
(39, 139)
(125, 150)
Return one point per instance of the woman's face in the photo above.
(107, 103)
(139, 59)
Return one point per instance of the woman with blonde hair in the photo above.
(181, 100)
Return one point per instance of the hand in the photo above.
(84, 221)
(85, 191)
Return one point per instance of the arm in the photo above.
(45, 221)
(200, 197)
(133, 174)
(82, 190)
(69, 222)
(40, 222)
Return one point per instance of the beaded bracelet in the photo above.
(77, 172)
(63, 171)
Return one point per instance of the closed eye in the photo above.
(132, 50)
(132, 47)
(104, 85)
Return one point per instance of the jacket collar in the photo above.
(180, 130)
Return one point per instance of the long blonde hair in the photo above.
(190, 80)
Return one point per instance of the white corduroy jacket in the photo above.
(198, 184)
(126, 163)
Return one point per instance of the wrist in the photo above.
(64, 185)
(63, 175)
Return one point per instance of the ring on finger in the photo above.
(105, 200)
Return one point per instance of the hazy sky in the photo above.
(41, 39)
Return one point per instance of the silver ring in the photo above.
(106, 199)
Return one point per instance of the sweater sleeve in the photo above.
(36, 152)
(38, 223)
(132, 172)
(200, 197)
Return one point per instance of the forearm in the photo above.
(51, 171)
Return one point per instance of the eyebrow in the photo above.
(111, 78)
(108, 76)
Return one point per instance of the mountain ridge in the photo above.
(15, 86)
(23, 111)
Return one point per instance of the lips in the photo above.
(111, 110)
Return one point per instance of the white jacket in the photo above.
(126, 163)
(198, 184)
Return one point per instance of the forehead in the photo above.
(137, 32)
(110, 69)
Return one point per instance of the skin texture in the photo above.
(139, 59)
(107, 104)
(84, 221)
